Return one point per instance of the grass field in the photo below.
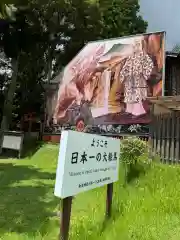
(148, 208)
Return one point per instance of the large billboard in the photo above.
(108, 82)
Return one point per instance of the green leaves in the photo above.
(121, 18)
(72, 22)
(7, 11)
(34, 29)
(132, 148)
(134, 157)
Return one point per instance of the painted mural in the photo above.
(108, 82)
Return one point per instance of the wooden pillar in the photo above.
(165, 138)
(65, 218)
(177, 157)
(168, 138)
(172, 148)
(163, 127)
(151, 133)
(155, 134)
(158, 134)
(153, 137)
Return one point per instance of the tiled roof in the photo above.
(176, 49)
(175, 52)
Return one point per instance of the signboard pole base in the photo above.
(109, 200)
(65, 218)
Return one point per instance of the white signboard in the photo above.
(12, 142)
(86, 161)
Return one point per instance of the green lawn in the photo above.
(146, 209)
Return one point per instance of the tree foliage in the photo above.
(69, 24)
(121, 18)
(41, 32)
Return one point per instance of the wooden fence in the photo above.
(165, 133)
(144, 137)
(55, 138)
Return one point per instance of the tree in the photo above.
(7, 11)
(6, 32)
(98, 19)
(84, 24)
(17, 36)
(121, 18)
(7, 14)
(59, 24)
(29, 95)
(35, 34)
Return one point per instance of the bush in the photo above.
(131, 150)
(134, 156)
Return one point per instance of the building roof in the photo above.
(172, 54)
(175, 51)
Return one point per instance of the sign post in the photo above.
(65, 218)
(86, 161)
(109, 200)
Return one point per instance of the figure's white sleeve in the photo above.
(147, 67)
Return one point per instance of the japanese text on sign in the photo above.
(91, 163)
(83, 157)
(99, 143)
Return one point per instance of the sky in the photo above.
(163, 15)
